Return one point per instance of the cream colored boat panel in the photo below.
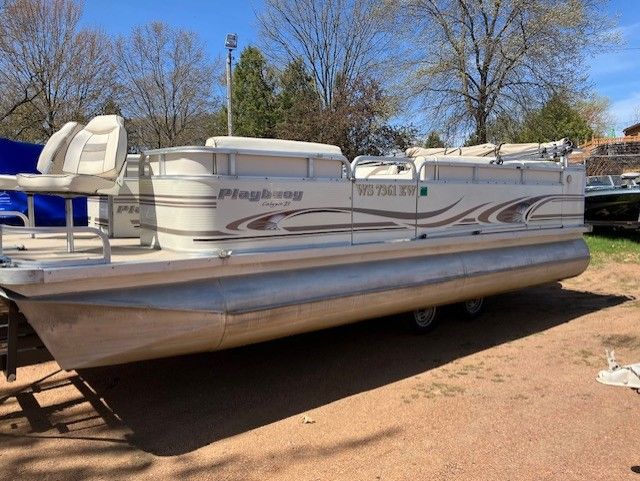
(207, 213)
(384, 201)
(118, 214)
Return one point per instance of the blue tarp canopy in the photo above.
(22, 157)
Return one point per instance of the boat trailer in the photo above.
(17, 340)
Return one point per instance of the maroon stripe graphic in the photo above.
(451, 220)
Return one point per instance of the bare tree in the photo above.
(335, 38)
(50, 70)
(18, 87)
(634, 118)
(167, 84)
(479, 59)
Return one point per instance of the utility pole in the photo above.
(231, 42)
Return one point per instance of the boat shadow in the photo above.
(177, 405)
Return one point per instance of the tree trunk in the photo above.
(481, 127)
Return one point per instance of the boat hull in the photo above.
(114, 326)
(619, 207)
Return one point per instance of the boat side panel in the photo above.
(212, 212)
(573, 189)
(39, 281)
(614, 206)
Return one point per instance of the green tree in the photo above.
(359, 121)
(254, 99)
(433, 140)
(299, 104)
(557, 119)
(216, 122)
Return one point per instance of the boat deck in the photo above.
(52, 248)
(42, 266)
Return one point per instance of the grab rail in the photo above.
(198, 149)
(106, 245)
(522, 169)
(391, 160)
(15, 213)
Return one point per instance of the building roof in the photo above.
(632, 128)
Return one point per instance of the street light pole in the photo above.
(231, 42)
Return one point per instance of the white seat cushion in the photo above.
(93, 160)
(99, 149)
(61, 183)
(8, 182)
(51, 158)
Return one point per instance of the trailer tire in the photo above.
(472, 308)
(424, 320)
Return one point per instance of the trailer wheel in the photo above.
(425, 320)
(472, 308)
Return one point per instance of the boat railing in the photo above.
(474, 172)
(232, 154)
(105, 257)
(15, 213)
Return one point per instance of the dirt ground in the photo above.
(511, 396)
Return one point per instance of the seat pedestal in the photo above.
(68, 215)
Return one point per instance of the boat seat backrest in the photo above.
(378, 171)
(51, 158)
(279, 158)
(99, 149)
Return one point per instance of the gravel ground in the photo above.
(510, 396)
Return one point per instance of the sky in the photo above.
(211, 19)
(613, 74)
(616, 74)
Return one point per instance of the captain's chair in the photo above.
(49, 162)
(52, 156)
(92, 164)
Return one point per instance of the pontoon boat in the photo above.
(245, 240)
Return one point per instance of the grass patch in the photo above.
(620, 341)
(438, 389)
(614, 246)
